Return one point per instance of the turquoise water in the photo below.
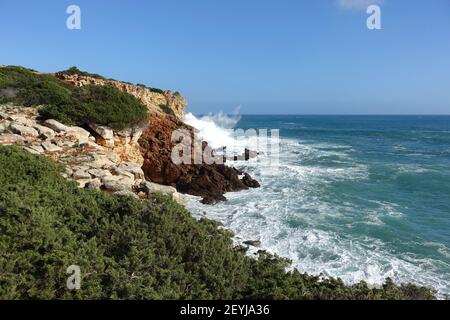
(358, 197)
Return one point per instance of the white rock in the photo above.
(117, 183)
(5, 116)
(105, 132)
(45, 131)
(81, 174)
(132, 168)
(50, 147)
(55, 125)
(99, 173)
(22, 120)
(4, 125)
(24, 130)
(10, 138)
(32, 151)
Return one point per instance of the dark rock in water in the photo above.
(254, 243)
(209, 181)
(250, 182)
(213, 199)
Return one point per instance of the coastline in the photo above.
(125, 161)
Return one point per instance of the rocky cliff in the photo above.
(134, 160)
(96, 157)
(154, 100)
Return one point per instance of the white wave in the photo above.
(293, 217)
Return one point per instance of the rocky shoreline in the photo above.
(133, 161)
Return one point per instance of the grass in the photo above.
(128, 249)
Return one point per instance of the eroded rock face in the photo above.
(207, 181)
(149, 98)
(115, 168)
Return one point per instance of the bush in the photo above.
(75, 70)
(128, 249)
(102, 105)
(167, 109)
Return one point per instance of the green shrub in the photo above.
(167, 109)
(72, 105)
(75, 70)
(128, 249)
(104, 105)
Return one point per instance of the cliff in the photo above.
(152, 99)
(109, 134)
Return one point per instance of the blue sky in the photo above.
(269, 57)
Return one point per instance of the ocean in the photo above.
(355, 197)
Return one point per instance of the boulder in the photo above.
(4, 126)
(132, 168)
(56, 126)
(50, 147)
(11, 138)
(253, 243)
(103, 131)
(117, 183)
(213, 199)
(249, 181)
(94, 184)
(24, 130)
(20, 119)
(44, 131)
(81, 174)
(99, 173)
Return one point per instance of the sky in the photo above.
(255, 56)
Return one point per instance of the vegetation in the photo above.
(167, 109)
(72, 105)
(75, 70)
(128, 249)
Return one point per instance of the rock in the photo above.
(213, 199)
(210, 181)
(80, 134)
(150, 187)
(126, 193)
(24, 130)
(99, 173)
(117, 183)
(83, 182)
(253, 243)
(4, 126)
(50, 147)
(22, 120)
(249, 181)
(10, 138)
(32, 151)
(55, 125)
(94, 184)
(105, 132)
(5, 116)
(120, 172)
(81, 174)
(68, 172)
(44, 131)
(77, 159)
(133, 168)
